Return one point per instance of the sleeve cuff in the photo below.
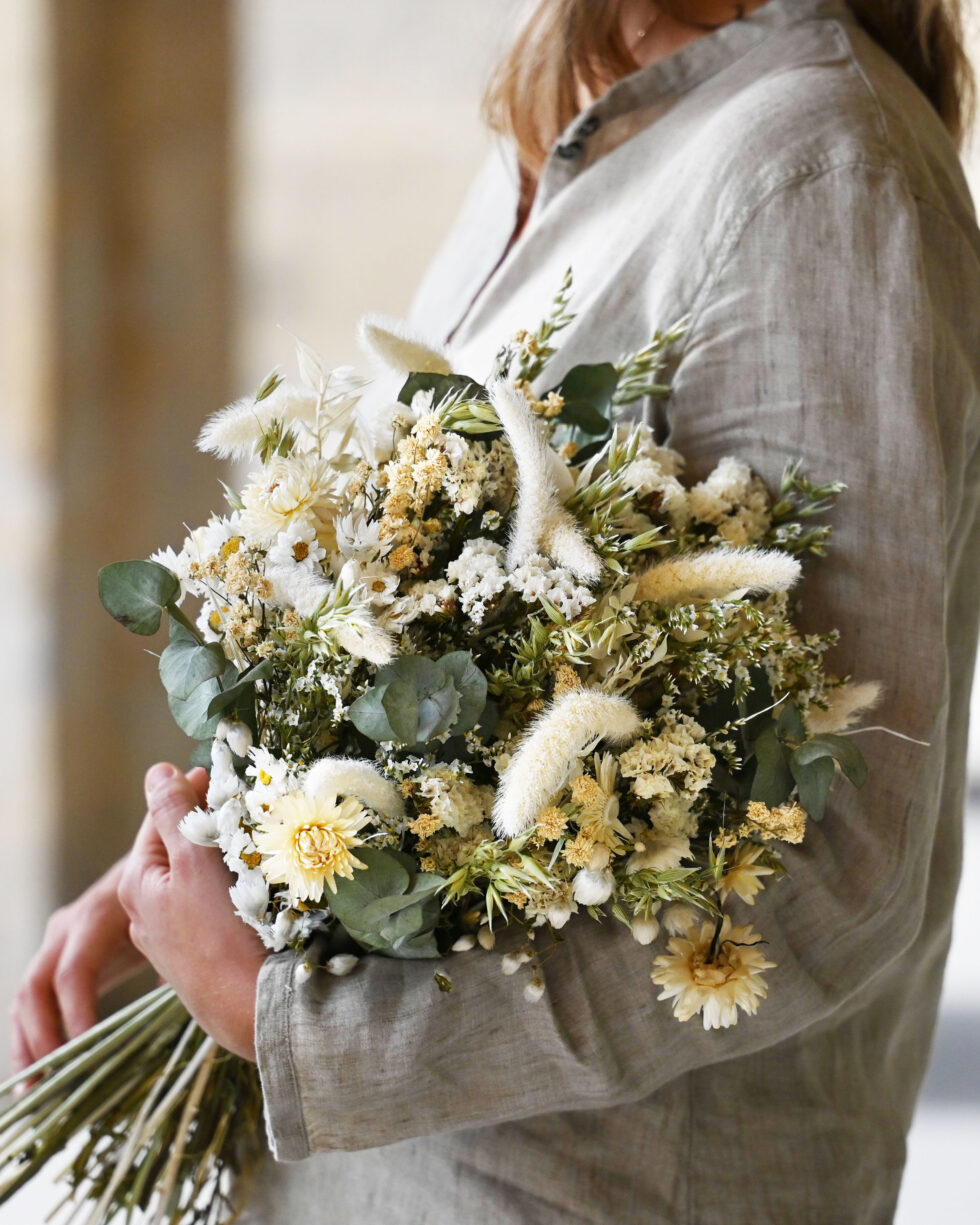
(283, 1106)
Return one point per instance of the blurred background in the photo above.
(180, 177)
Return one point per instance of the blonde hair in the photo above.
(532, 95)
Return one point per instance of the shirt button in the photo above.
(587, 126)
(570, 150)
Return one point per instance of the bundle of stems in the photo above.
(155, 1118)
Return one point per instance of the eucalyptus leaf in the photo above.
(844, 752)
(187, 663)
(588, 392)
(773, 780)
(789, 723)
(388, 907)
(136, 593)
(193, 714)
(230, 695)
(471, 685)
(201, 754)
(813, 780)
(442, 385)
(369, 716)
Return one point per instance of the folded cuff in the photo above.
(284, 1121)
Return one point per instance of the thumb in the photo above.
(170, 796)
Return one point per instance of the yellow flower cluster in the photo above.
(787, 823)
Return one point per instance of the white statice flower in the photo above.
(455, 801)
(238, 849)
(288, 490)
(714, 978)
(429, 598)
(676, 761)
(536, 579)
(478, 575)
(645, 479)
(464, 480)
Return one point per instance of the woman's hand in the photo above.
(86, 950)
(180, 917)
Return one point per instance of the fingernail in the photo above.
(160, 777)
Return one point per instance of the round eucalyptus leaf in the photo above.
(136, 593)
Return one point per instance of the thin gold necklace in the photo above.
(739, 14)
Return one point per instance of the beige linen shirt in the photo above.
(783, 181)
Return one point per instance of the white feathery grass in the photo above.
(235, 432)
(716, 574)
(364, 639)
(354, 776)
(540, 523)
(540, 765)
(844, 705)
(393, 345)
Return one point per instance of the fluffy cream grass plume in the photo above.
(539, 768)
(540, 524)
(715, 574)
(234, 432)
(394, 346)
(352, 776)
(844, 705)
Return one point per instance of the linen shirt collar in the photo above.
(635, 101)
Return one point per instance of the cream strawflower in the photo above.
(743, 873)
(307, 842)
(286, 492)
(715, 978)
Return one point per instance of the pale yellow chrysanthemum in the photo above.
(743, 873)
(713, 981)
(307, 842)
(287, 491)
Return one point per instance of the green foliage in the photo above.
(389, 906)
(241, 693)
(588, 394)
(136, 593)
(414, 699)
(193, 714)
(187, 662)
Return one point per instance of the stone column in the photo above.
(117, 276)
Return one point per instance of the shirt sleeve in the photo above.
(816, 338)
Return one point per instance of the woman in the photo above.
(777, 172)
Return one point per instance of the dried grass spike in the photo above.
(539, 768)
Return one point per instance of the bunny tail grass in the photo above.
(716, 574)
(357, 777)
(540, 766)
(844, 705)
(394, 346)
(540, 523)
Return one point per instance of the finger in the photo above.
(148, 858)
(39, 1019)
(170, 796)
(199, 780)
(76, 989)
(20, 1057)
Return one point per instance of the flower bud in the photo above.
(510, 963)
(534, 990)
(464, 944)
(645, 930)
(342, 963)
(592, 888)
(486, 938)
